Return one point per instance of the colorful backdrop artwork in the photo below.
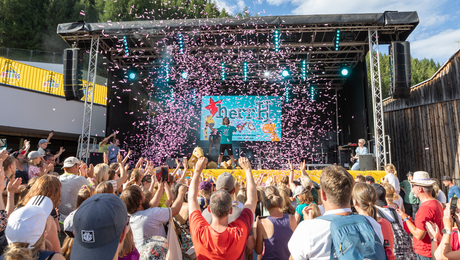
(258, 118)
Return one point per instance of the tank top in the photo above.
(276, 247)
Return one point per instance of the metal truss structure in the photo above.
(85, 138)
(376, 84)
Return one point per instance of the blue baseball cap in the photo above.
(98, 224)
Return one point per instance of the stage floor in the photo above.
(314, 174)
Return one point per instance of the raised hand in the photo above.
(244, 163)
(13, 186)
(290, 165)
(201, 164)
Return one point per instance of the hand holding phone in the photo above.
(453, 206)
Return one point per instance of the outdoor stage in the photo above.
(164, 78)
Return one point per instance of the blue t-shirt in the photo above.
(454, 190)
(226, 133)
(113, 152)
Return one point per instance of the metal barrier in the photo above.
(31, 55)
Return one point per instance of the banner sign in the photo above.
(257, 118)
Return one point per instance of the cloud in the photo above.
(241, 5)
(439, 47)
(229, 8)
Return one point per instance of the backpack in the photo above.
(402, 248)
(353, 237)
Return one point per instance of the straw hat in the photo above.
(422, 178)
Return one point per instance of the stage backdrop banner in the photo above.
(257, 118)
(276, 174)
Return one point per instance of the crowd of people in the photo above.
(122, 210)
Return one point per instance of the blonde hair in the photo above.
(272, 198)
(101, 173)
(67, 247)
(137, 175)
(242, 197)
(287, 207)
(390, 192)
(21, 251)
(362, 141)
(306, 181)
(104, 187)
(315, 208)
(390, 168)
(128, 244)
(366, 196)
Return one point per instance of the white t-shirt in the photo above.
(114, 184)
(312, 238)
(441, 197)
(388, 215)
(393, 181)
(148, 223)
(41, 151)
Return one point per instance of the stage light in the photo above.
(132, 75)
(184, 75)
(312, 93)
(287, 94)
(344, 72)
(245, 71)
(267, 74)
(285, 73)
(304, 70)
(337, 38)
(125, 45)
(276, 40)
(166, 72)
(180, 41)
(222, 73)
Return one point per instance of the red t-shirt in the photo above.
(228, 245)
(430, 210)
(454, 240)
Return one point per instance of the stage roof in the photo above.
(305, 37)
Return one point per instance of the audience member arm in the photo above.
(156, 199)
(193, 191)
(251, 201)
(417, 233)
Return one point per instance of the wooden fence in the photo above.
(425, 130)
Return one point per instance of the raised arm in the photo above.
(51, 134)
(251, 201)
(12, 188)
(156, 199)
(291, 176)
(127, 156)
(123, 173)
(193, 191)
(169, 196)
(61, 150)
(106, 140)
(177, 205)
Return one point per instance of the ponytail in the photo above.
(366, 196)
(21, 251)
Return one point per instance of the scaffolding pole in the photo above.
(85, 138)
(376, 83)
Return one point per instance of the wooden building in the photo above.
(425, 129)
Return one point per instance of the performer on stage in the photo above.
(226, 135)
(359, 151)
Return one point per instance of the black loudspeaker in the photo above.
(96, 158)
(73, 66)
(367, 162)
(400, 70)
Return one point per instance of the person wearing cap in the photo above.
(21, 166)
(411, 203)
(303, 194)
(71, 184)
(26, 232)
(430, 210)
(454, 190)
(205, 189)
(43, 143)
(382, 205)
(219, 239)
(101, 224)
(113, 150)
(37, 167)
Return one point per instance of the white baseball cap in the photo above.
(70, 162)
(27, 224)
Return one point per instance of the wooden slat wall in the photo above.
(425, 130)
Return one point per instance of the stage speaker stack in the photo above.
(367, 162)
(400, 70)
(73, 66)
(96, 158)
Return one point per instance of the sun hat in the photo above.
(68, 225)
(27, 224)
(34, 154)
(422, 178)
(99, 223)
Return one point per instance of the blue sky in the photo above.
(437, 36)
